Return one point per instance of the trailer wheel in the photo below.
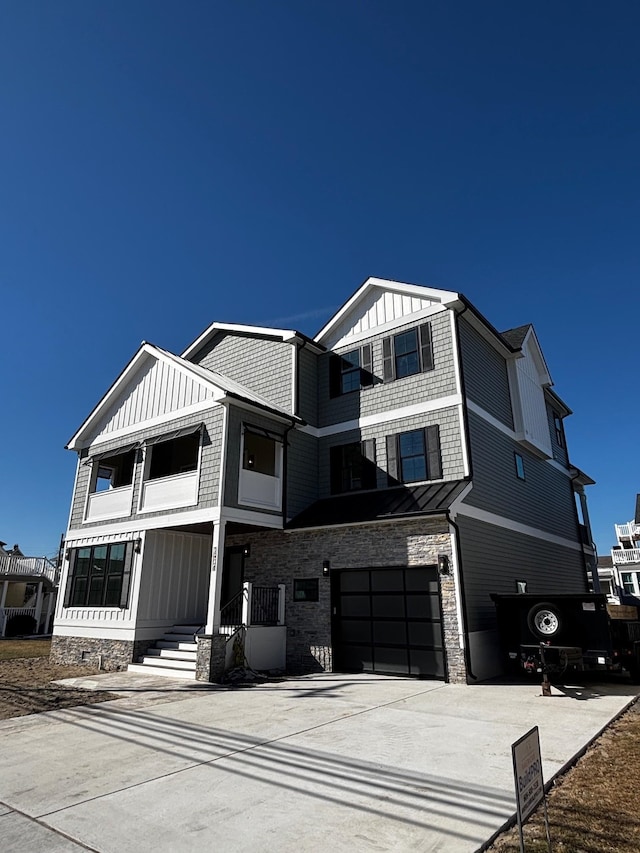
(544, 620)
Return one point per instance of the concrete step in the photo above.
(150, 660)
(172, 637)
(183, 647)
(167, 672)
(173, 654)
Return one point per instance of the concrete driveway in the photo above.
(324, 762)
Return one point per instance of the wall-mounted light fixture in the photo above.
(326, 568)
(246, 551)
(521, 587)
(443, 564)
(137, 545)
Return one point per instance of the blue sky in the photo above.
(164, 165)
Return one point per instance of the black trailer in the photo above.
(558, 633)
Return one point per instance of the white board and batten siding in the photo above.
(377, 308)
(530, 409)
(156, 390)
(174, 585)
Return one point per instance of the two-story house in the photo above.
(625, 559)
(348, 501)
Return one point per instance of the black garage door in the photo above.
(387, 620)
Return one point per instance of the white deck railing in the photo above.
(6, 613)
(625, 556)
(628, 531)
(35, 567)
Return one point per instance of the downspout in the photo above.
(463, 598)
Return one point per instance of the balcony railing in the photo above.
(33, 567)
(625, 556)
(628, 531)
(254, 605)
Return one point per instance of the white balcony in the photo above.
(170, 492)
(628, 531)
(625, 556)
(112, 503)
(33, 567)
(259, 490)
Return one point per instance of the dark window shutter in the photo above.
(126, 574)
(335, 469)
(392, 460)
(69, 586)
(369, 479)
(388, 373)
(426, 347)
(434, 456)
(366, 366)
(334, 376)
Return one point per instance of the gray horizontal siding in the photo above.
(494, 558)
(543, 500)
(302, 472)
(209, 468)
(263, 366)
(485, 374)
(450, 444)
(439, 382)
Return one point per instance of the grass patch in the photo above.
(12, 649)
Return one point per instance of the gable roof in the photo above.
(368, 306)
(266, 332)
(219, 387)
(515, 337)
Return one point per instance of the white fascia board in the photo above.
(287, 335)
(263, 411)
(516, 526)
(385, 416)
(123, 527)
(145, 351)
(444, 297)
(245, 516)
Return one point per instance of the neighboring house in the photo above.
(347, 502)
(27, 592)
(625, 556)
(608, 584)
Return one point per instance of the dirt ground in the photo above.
(25, 682)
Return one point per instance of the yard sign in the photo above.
(527, 771)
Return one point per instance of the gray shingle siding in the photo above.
(439, 382)
(209, 468)
(302, 472)
(493, 558)
(543, 500)
(450, 445)
(486, 381)
(263, 366)
(308, 386)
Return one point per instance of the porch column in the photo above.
(3, 595)
(39, 605)
(215, 580)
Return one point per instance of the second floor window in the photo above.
(114, 470)
(408, 353)
(174, 456)
(350, 371)
(414, 456)
(353, 466)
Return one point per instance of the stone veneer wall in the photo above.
(280, 557)
(116, 654)
(210, 658)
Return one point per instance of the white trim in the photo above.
(454, 506)
(458, 375)
(384, 417)
(194, 409)
(286, 335)
(442, 296)
(222, 475)
(272, 520)
(73, 493)
(97, 629)
(516, 526)
(172, 520)
(456, 582)
(294, 379)
(351, 340)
